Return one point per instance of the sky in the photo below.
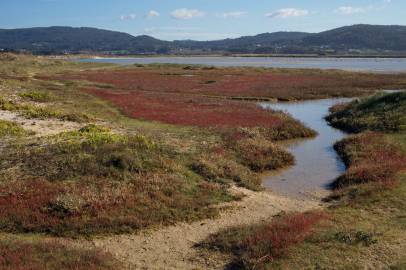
(201, 19)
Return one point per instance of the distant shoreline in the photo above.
(103, 56)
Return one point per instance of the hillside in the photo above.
(356, 39)
(60, 39)
(259, 43)
(372, 37)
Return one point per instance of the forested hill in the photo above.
(68, 39)
(356, 39)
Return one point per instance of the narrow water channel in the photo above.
(317, 164)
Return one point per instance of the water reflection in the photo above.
(317, 164)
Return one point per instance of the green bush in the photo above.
(37, 96)
(8, 128)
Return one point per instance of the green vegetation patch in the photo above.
(36, 96)
(8, 128)
(382, 112)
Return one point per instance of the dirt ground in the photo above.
(40, 127)
(173, 247)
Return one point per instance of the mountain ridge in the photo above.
(360, 38)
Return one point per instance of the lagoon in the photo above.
(381, 65)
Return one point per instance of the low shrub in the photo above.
(8, 128)
(7, 105)
(90, 152)
(218, 169)
(36, 96)
(47, 254)
(370, 158)
(356, 237)
(255, 247)
(262, 155)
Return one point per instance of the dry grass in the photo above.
(34, 254)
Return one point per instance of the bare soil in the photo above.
(174, 247)
(40, 127)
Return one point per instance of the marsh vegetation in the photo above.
(156, 147)
(364, 225)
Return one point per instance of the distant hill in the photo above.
(68, 39)
(362, 36)
(356, 39)
(246, 44)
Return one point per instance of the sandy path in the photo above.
(172, 247)
(40, 127)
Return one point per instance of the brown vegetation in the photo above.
(18, 254)
(369, 159)
(255, 247)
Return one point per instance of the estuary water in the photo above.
(382, 65)
(317, 164)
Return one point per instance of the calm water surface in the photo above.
(317, 164)
(388, 65)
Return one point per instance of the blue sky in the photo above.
(201, 19)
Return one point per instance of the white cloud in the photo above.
(348, 10)
(287, 12)
(152, 14)
(185, 14)
(128, 17)
(232, 14)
